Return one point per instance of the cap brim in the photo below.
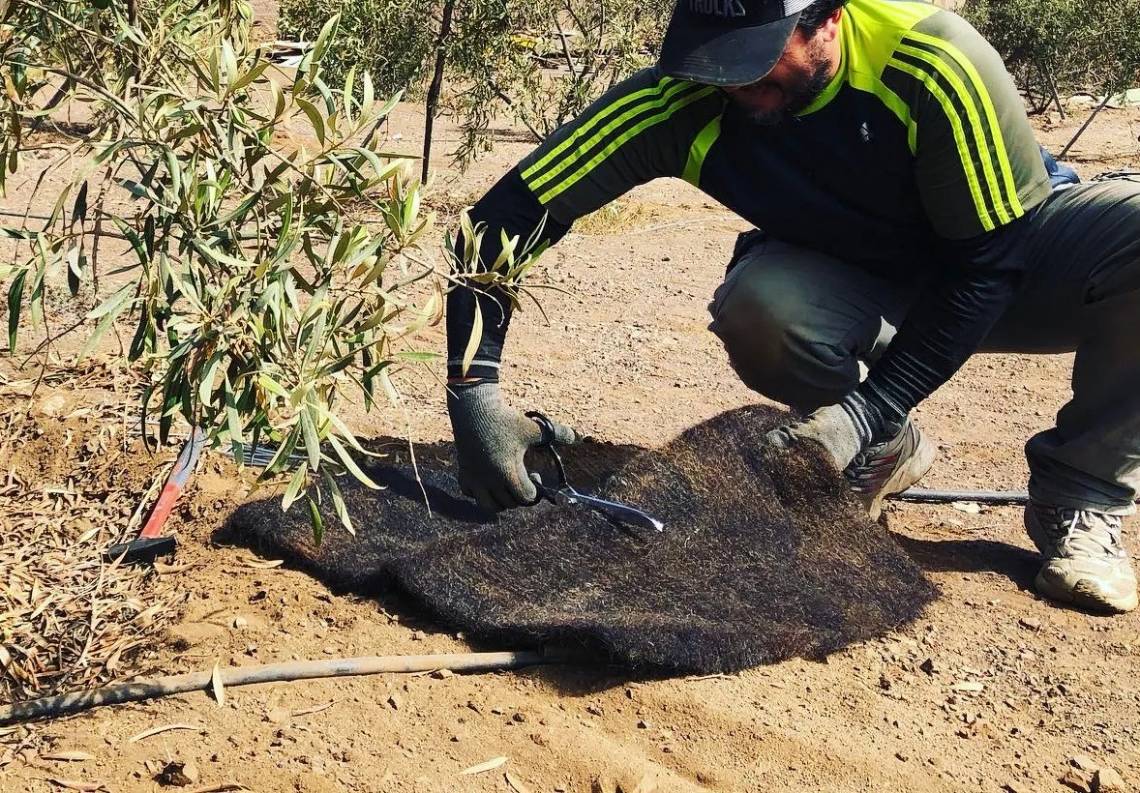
(716, 55)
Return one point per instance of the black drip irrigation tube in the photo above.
(919, 495)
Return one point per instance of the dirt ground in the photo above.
(994, 689)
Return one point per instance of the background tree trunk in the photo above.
(432, 104)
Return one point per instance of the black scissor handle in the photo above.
(546, 442)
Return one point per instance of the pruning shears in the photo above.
(563, 493)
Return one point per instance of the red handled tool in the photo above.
(150, 544)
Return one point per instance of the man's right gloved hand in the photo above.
(491, 441)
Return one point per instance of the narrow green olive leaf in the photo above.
(418, 357)
(338, 501)
(474, 340)
(317, 522)
(247, 78)
(300, 477)
(315, 118)
(350, 464)
(389, 389)
(79, 210)
(15, 300)
(312, 441)
(229, 61)
(324, 38)
(234, 422)
(107, 312)
(75, 262)
(112, 303)
(206, 389)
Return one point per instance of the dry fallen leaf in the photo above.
(490, 765)
(68, 754)
(163, 728)
(216, 685)
(72, 784)
(219, 788)
(314, 709)
(967, 687)
(263, 564)
(514, 784)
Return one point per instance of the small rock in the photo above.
(1106, 780)
(929, 667)
(594, 710)
(604, 784)
(884, 683)
(1030, 623)
(240, 622)
(174, 775)
(442, 674)
(394, 701)
(418, 636)
(1083, 762)
(642, 724)
(1077, 780)
(902, 757)
(190, 771)
(519, 718)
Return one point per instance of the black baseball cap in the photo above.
(728, 42)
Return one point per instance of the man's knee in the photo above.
(775, 337)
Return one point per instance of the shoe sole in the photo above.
(906, 476)
(1083, 594)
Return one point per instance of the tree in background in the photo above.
(263, 244)
(537, 63)
(1063, 46)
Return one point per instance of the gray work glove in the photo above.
(491, 441)
(836, 428)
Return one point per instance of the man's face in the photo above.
(801, 74)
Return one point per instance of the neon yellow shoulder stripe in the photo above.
(932, 85)
(979, 84)
(975, 119)
(599, 117)
(556, 190)
(537, 182)
(699, 150)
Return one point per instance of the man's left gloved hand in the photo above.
(842, 430)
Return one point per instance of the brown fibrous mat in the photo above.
(765, 556)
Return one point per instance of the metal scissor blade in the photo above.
(621, 512)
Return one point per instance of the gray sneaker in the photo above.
(1085, 560)
(890, 467)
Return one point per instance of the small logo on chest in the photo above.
(865, 133)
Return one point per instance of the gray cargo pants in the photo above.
(796, 325)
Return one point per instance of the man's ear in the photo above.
(829, 30)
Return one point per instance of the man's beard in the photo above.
(800, 96)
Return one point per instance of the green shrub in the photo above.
(1079, 45)
(390, 39)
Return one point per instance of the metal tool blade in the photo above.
(621, 512)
